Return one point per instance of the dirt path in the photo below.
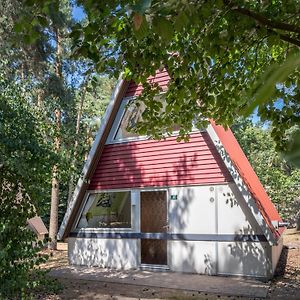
(285, 285)
(286, 282)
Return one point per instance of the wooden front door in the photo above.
(154, 220)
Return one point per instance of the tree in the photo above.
(279, 178)
(25, 166)
(40, 97)
(215, 51)
(57, 82)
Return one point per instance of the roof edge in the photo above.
(89, 162)
(267, 229)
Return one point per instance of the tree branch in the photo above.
(287, 38)
(262, 19)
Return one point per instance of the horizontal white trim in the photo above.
(154, 267)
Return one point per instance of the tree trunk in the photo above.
(53, 226)
(89, 141)
(76, 142)
(39, 98)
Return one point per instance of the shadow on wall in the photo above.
(246, 258)
(252, 205)
(252, 258)
(104, 253)
(185, 217)
(180, 209)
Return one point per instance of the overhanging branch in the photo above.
(287, 38)
(262, 19)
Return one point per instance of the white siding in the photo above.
(193, 257)
(104, 253)
(234, 216)
(244, 258)
(193, 211)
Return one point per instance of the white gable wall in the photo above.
(215, 210)
(212, 213)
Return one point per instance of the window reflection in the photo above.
(107, 210)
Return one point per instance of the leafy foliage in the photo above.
(25, 161)
(280, 179)
(215, 52)
(35, 82)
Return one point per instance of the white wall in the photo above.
(192, 212)
(216, 210)
(244, 258)
(105, 253)
(234, 216)
(276, 252)
(193, 257)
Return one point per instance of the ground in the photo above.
(285, 285)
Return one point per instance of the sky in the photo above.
(78, 13)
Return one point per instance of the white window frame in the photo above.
(117, 122)
(103, 229)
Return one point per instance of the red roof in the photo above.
(237, 156)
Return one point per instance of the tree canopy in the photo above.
(49, 112)
(215, 51)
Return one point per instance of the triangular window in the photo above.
(129, 114)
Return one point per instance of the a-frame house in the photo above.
(194, 206)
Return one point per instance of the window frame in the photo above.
(117, 122)
(118, 119)
(87, 195)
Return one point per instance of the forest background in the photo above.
(52, 98)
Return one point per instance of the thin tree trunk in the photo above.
(39, 98)
(89, 141)
(53, 226)
(76, 142)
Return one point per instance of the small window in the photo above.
(132, 115)
(107, 210)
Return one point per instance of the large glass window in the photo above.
(107, 210)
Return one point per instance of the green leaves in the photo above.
(141, 26)
(293, 153)
(279, 177)
(218, 57)
(141, 6)
(25, 164)
(137, 21)
(266, 86)
(181, 21)
(164, 28)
